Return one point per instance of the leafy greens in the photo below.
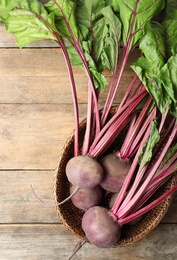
(91, 34)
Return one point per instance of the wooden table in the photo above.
(36, 117)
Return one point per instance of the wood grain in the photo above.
(42, 62)
(43, 242)
(32, 136)
(18, 204)
(50, 90)
(40, 76)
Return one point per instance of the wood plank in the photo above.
(32, 136)
(33, 62)
(42, 62)
(42, 89)
(37, 76)
(43, 242)
(18, 204)
(50, 90)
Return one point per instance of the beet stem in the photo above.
(115, 117)
(154, 185)
(74, 95)
(130, 174)
(131, 139)
(128, 93)
(78, 48)
(124, 220)
(87, 136)
(111, 95)
(114, 128)
(150, 174)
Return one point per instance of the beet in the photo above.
(87, 198)
(115, 172)
(113, 199)
(100, 227)
(84, 171)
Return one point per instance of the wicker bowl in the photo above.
(71, 216)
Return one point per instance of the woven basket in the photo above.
(71, 216)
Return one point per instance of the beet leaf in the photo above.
(168, 77)
(65, 19)
(147, 150)
(134, 14)
(108, 57)
(154, 69)
(34, 16)
(6, 7)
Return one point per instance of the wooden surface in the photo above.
(36, 117)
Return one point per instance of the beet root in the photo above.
(115, 170)
(100, 227)
(84, 171)
(113, 199)
(87, 198)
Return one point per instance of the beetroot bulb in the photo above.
(84, 171)
(87, 198)
(100, 227)
(115, 172)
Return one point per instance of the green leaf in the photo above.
(168, 77)
(85, 32)
(114, 4)
(163, 85)
(171, 36)
(89, 17)
(152, 45)
(111, 39)
(170, 10)
(149, 66)
(134, 15)
(155, 87)
(170, 153)
(74, 21)
(74, 57)
(104, 30)
(5, 7)
(99, 80)
(65, 19)
(100, 32)
(30, 23)
(170, 23)
(88, 12)
(146, 154)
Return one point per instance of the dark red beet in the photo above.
(87, 198)
(100, 227)
(113, 199)
(115, 172)
(84, 171)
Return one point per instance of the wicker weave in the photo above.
(71, 216)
